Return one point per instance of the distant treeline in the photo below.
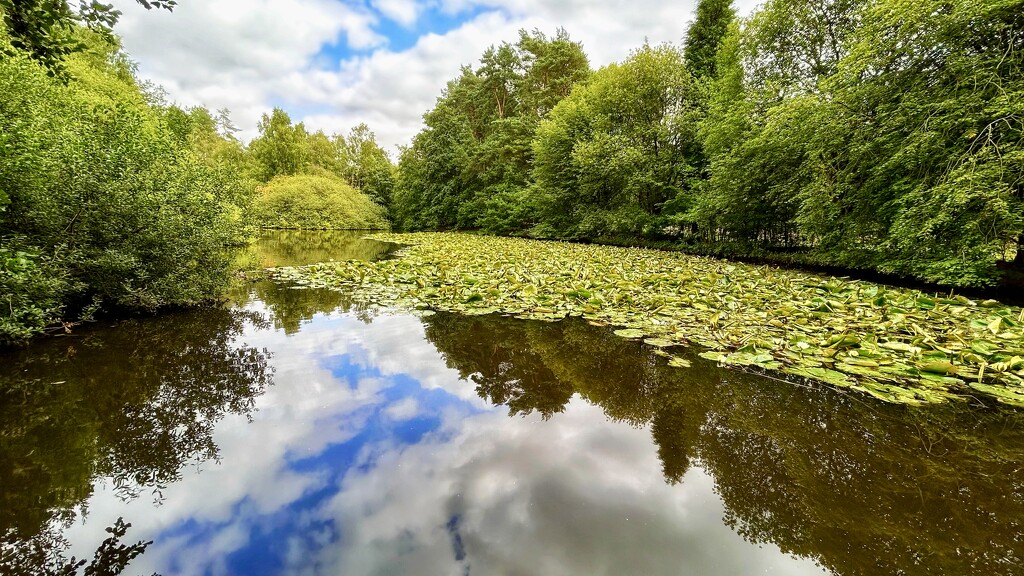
(113, 198)
(874, 134)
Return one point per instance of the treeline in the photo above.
(112, 198)
(870, 134)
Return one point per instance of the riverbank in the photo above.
(898, 345)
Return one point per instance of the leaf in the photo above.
(678, 362)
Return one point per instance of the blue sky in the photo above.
(334, 64)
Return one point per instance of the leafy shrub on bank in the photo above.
(316, 202)
(100, 203)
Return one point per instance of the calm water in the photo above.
(296, 433)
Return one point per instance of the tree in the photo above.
(105, 205)
(45, 28)
(705, 35)
(366, 165)
(790, 45)
(612, 153)
(470, 166)
(918, 156)
(281, 149)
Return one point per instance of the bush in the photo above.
(100, 203)
(316, 202)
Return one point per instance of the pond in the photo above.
(296, 431)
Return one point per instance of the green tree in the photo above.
(281, 149)
(104, 204)
(918, 158)
(45, 29)
(316, 202)
(705, 35)
(612, 153)
(366, 165)
(470, 166)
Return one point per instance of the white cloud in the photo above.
(404, 12)
(252, 55)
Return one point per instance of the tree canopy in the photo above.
(864, 134)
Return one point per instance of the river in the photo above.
(294, 432)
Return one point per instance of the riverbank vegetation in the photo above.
(113, 198)
(316, 202)
(864, 134)
(898, 345)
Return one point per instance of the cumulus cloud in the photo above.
(332, 64)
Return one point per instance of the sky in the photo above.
(333, 64)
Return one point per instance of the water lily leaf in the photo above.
(902, 344)
(712, 355)
(679, 362)
(1002, 394)
(938, 367)
(823, 374)
(659, 342)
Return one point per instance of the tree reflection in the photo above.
(860, 487)
(134, 404)
(501, 359)
(291, 307)
(298, 247)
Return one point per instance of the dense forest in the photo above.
(864, 134)
(112, 198)
(870, 134)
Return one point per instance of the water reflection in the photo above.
(386, 446)
(131, 405)
(298, 247)
(862, 488)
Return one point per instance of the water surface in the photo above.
(298, 432)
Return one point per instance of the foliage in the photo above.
(316, 202)
(282, 149)
(928, 108)
(900, 346)
(469, 167)
(877, 134)
(864, 134)
(30, 290)
(365, 165)
(103, 204)
(46, 29)
(612, 153)
(704, 36)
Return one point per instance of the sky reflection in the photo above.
(369, 455)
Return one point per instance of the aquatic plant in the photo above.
(898, 345)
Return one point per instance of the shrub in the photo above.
(100, 204)
(316, 202)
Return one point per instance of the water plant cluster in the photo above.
(898, 345)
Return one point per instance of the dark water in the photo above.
(297, 433)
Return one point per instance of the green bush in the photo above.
(101, 204)
(316, 202)
(28, 293)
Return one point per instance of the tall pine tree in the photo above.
(705, 36)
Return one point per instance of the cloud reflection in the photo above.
(370, 456)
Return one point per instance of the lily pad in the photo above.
(903, 345)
